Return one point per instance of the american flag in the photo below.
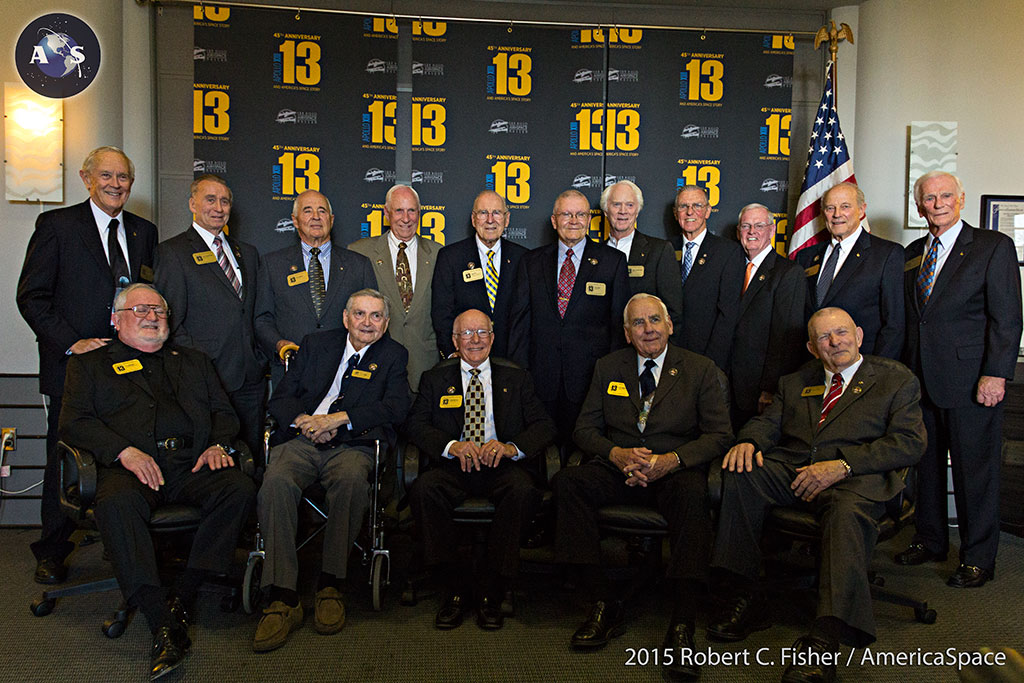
(828, 164)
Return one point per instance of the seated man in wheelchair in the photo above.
(157, 420)
(479, 422)
(343, 390)
(831, 442)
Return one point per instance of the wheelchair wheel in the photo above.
(251, 584)
(377, 580)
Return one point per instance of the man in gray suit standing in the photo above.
(404, 265)
(298, 294)
(830, 442)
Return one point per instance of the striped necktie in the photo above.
(926, 276)
(225, 265)
(835, 390)
(491, 279)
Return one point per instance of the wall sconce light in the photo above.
(33, 145)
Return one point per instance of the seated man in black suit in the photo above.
(480, 422)
(156, 418)
(830, 442)
(340, 394)
(654, 417)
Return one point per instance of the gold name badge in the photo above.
(124, 368)
(912, 263)
(473, 274)
(203, 257)
(813, 270)
(813, 391)
(636, 271)
(362, 374)
(146, 273)
(451, 401)
(617, 389)
(298, 278)
(596, 288)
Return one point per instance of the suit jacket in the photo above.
(519, 416)
(770, 330)
(867, 287)
(413, 330)
(652, 268)
(711, 299)
(876, 425)
(66, 290)
(451, 295)
(971, 325)
(105, 412)
(375, 406)
(562, 351)
(689, 415)
(206, 314)
(286, 311)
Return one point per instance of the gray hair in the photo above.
(295, 202)
(631, 185)
(212, 177)
(373, 294)
(751, 207)
(861, 200)
(122, 296)
(89, 165)
(639, 296)
(688, 188)
(934, 174)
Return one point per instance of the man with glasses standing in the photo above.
(711, 270)
(569, 296)
(478, 272)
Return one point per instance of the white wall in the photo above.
(106, 113)
(938, 60)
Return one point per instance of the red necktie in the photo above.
(835, 389)
(566, 279)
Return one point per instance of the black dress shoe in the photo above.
(489, 616)
(817, 662)
(181, 612)
(450, 614)
(50, 570)
(170, 645)
(969, 576)
(916, 554)
(679, 641)
(742, 616)
(603, 623)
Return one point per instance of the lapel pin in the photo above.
(857, 389)
(817, 258)
(701, 261)
(760, 278)
(174, 353)
(857, 254)
(470, 265)
(380, 262)
(293, 268)
(450, 390)
(593, 261)
(372, 367)
(673, 371)
(504, 390)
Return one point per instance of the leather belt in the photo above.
(174, 443)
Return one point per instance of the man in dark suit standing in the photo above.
(480, 422)
(404, 265)
(569, 296)
(650, 262)
(478, 272)
(156, 419)
(654, 417)
(857, 271)
(770, 328)
(65, 293)
(297, 295)
(711, 271)
(831, 442)
(342, 392)
(962, 289)
(210, 284)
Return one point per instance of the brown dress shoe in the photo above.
(969, 576)
(328, 611)
(277, 622)
(916, 554)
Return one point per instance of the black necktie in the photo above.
(828, 272)
(353, 361)
(316, 280)
(118, 266)
(647, 385)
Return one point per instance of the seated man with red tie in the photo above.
(340, 394)
(832, 442)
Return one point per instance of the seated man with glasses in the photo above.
(479, 422)
(478, 272)
(157, 421)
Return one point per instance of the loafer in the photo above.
(277, 622)
(742, 616)
(50, 571)
(816, 662)
(170, 645)
(328, 611)
(450, 614)
(181, 612)
(489, 616)
(678, 640)
(603, 623)
(916, 554)
(969, 576)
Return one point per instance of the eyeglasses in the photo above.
(568, 215)
(699, 206)
(143, 310)
(637, 323)
(468, 334)
(755, 226)
(484, 214)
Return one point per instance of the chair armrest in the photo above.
(243, 458)
(715, 484)
(77, 478)
(551, 463)
(575, 458)
(411, 465)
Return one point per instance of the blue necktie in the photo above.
(688, 260)
(926, 276)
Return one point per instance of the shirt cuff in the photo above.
(445, 453)
(519, 454)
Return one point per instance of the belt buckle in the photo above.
(171, 444)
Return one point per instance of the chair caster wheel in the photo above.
(113, 628)
(42, 606)
(925, 616)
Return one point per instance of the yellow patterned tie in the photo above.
(473, 430)
(491, 279)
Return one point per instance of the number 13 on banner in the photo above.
(512, 181)
(431, 225)
(621, 131)
(428, 127)
(707, 177)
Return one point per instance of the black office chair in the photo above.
(77, 496)
(474, 513)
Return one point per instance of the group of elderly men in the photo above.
(161, 378)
